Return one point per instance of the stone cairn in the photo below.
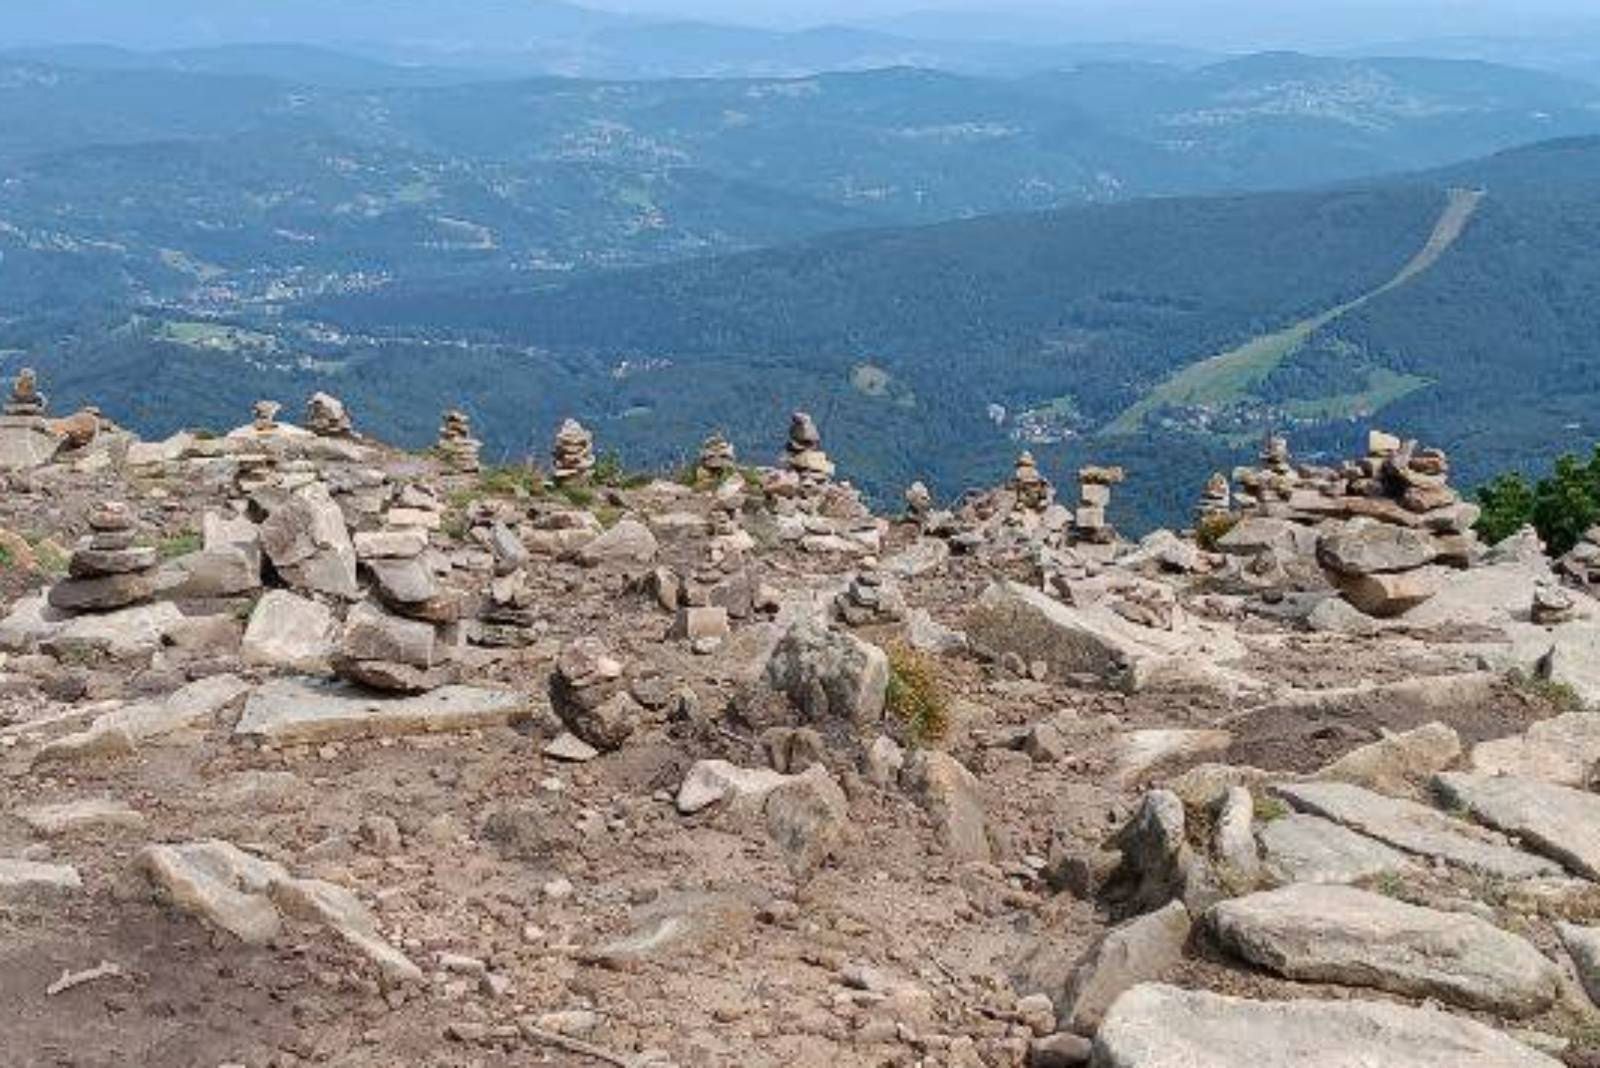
(717, 460)
(404, 638)
(1582, 563)
(1391, 524)
(457, 448)
(1274, 480)
(1034, 493)
(871, 598)
(1216, 499)
(804, 455)
(506, 616)
(589, 692)
(107, 571)
(326, 417)
(1089, 523)
(572, 457)
(26, 401)
(729, 539)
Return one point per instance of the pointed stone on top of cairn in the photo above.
(264, 415)
(456, 446)
(107, 571)
(1034, 491)
(717, 459)
(26, 400)
(573, 455)
(1094, 496)
(805, 455)
(326, 417)
(919, 502)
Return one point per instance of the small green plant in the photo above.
(51, 558)
(1211, 529)
(1389, 885)
(5, 557)
(916, 697)
(1269, 808)
(607, 515)
(524, 481)
(609, 472)
(578, 496)
(179, 545)
(1558, 695)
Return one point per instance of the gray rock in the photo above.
(829, 677)
(309, 545)
(1158, 865)
(953, 796)
(1063, 1050)
(1163, 1027)
(1558, 821)
(1367, 547)
(1583, 946)
(219, 883)
(1385, 596)
(405, 544)
(1400, 764)
(370, 633)
(807, 816)
(1233, 839)
(1309, 849)
(1140, 951)
(403, 582)
(28, 881)
(1563, 750)
(1339, 934)
(89, 814)
(1266, 536)
(213, 573)
(628, 544)
(711, 782)
(297, 711)
(104, 593)
(1416, 829)
(923, 557)
(290, 631)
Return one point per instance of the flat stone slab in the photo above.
(28, 880)
(90, 814)
(1155, 1026)
(292, 711)
(1339, 934)
(1558, 821)
(1563, 750)
(1309, 849)
(1415, 828)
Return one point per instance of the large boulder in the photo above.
(1156, 1026)
(1558, 821)
(629, 544)
(1326, 933)
(1140, 951)
(1366, 547)
(290, 632)
(309, 546)
(820, 677)
(953, 797)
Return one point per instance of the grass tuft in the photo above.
(916, 697)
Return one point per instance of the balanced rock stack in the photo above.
(456, 447)
(871, 598)
(589, 693)
(1274, 480)
(107, 571)
(1582, 563)
(1089, 522)
(1034, 492)
(729, 539)
(26, 400)
(717, 460)
(506, 616)
(404, 639)
(573, 455)
(326, 417)
(1552, 605)
(1216, 499)
(804, 451)
(25, 438)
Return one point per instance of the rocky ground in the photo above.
(320, 753)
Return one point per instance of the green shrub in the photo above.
(179, 545)
(5, 557)
(916, 697)
(1213, 528)
(1560, 506)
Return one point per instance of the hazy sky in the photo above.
(1174, 19)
